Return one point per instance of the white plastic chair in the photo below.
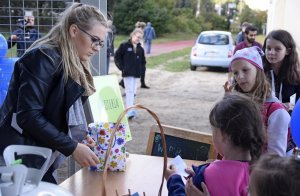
(12, 179)
(33, 185)
(34, 175)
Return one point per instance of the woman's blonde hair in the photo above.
(84, 16)
(139, 24)
(135, 31)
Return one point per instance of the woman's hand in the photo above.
(90, 142)
(84, 156)
(192, 190)
(171, 170)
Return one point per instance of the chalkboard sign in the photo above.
(188, 144)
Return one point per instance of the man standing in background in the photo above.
(241, 35)
(249, 41)
(110, 43)
(25, 35)
(149, 34)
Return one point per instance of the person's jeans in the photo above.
(130, 88)
(148, 46)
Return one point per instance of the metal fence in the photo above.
(12, 14)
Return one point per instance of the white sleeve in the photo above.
(277, 131)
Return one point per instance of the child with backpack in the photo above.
(249, 78)
(239, 146)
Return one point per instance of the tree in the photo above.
(207, 6)
(257, 18)
(128, 12)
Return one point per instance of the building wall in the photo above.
(284, 14)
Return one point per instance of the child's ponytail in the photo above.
(257, 146)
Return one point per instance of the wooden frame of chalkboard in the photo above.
(189, 144)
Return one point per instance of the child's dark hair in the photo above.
(275, 175)
(289, 71)
(240, 118)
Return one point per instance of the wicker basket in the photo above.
(104, 192)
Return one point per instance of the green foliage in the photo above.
(128, 12)
(170, 16)
(214, 21)
(185, 3)
(181, 21)
(257, 18)
(166, 16)
(207, 6)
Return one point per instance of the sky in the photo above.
(258, 4)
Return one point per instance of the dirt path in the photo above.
(158, 49)
(179, 99)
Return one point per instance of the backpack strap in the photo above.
(271, 107)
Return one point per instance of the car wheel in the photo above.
(193, 68)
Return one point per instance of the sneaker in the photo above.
(131, 114)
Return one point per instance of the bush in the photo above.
(128, 12)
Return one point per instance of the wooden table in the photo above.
(143, 174)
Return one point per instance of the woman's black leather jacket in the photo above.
(39, 99)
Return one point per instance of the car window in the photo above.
(214, 39)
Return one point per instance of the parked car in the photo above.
(212, 48)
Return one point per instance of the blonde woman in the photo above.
(49, 85)
(130, 59)
(141, 26)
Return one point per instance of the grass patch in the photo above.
(178, 65)
(175, 37)
(119, 39)
(169, 60)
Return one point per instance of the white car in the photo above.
(212, 48)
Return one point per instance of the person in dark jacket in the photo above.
(241, 35)
(24, 36)
(130, 59)
(110, 43)
(139, 25)
(49, 85)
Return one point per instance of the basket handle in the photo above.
(104, 176)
